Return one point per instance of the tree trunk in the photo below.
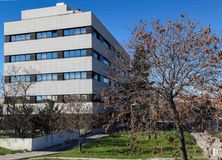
(180, 131)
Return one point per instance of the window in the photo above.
(74, 53)
(95, 55)
(66, 76)
(47, 77)
(74, 31)
(105, 61)
(20, 37)
(77, 75)
(48, 34)
(50, 55)
(19, 58)
(20, 78)
(44, 98)
(96, 76)
(83, 75)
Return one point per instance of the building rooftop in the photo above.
(59, 9)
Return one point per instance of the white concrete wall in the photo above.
(48, 23)
(38, 143)
(16, 143)
(48, 44)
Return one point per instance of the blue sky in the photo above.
(121, 15)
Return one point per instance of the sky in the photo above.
(120, 16)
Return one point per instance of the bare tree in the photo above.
(186, 62)
(78, 115)
(17, 108)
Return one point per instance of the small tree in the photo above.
(78, 116)
(17, 108)
(186, 62)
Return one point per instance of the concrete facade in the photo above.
(94, 37)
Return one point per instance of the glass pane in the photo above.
(28, 78)
(38, 98)
(54, 76)
(27, 36)
(22, 37)
(22, 58)
(72, 53)
(54, 34)
(54, 55)
(12, 58)
(83, 52)
(96, 77)
(39, 35)
(12, 38)
(49, 77)
(66, 76)
(39, 77)
(77, 75)
(77, 53)
(28, 57)
(39, 56)
(17, 58)
(83, 30)
(17, 38)
(44, 55)
(44, 77)
(66, 54)
(77, 31)
(95, 55)
(83, 75)
(44, 34)
(66, 32)
(72, 75)
(72, 31)
(49, 55)
(49, 34)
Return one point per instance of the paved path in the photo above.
(211, 146)
(65, 158)
(48, 151)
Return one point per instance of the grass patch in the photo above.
(4, 151)
(163, 145)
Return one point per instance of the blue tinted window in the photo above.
(95, 55)
(83, 75)
(12, 38)
(72, 53)
(77, 75)
(66, 32)
(22, 58)
(66, 54)
(77, 31)
(54, 55)
(39, 35)
(83, 30)
(54, 76)
(23, 37)
(71, 31)
(17, 58)
(83, 52)
(39, 56)
(49, 55)
(44, 56)
(66, 76)
(44, 77)
(72, 75)
(49, 34)
(77, 53)
(39, 77)
(12, 58)
(49, 77)
(28, 57)
(27, 36)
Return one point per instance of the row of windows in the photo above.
(74, 31)
(75, 53)
(103, 40)
(54, 55)
(48, 34)
(19, 58)
(48, 55)
(101, 78)
(45, 98)
(20, 78)
(97, 56)
(20, 37)
(75, 75)
(47, 77)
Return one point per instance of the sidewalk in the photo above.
(66, 158)
(48, 151)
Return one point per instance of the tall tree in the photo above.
(186, 62)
